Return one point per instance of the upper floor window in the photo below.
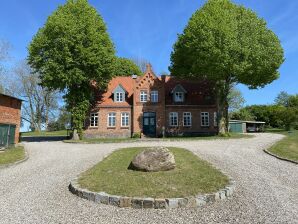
(119, 97)
(173, 119)
(204, 119)
(186, 119)
(112, 119)
(179, 96)
(143, 96)
(93, 119)
(124, 119)
(154, 96)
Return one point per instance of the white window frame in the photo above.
(154, 96)
(119, 97)
(179, 99)
(205, 122)
(125, 119)
(172, 116)
(215, 119)
(111, 115)
(187, 115)
(143, 96)
(94, 120)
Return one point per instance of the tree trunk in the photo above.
(223, 106)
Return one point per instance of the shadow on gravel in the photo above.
(43, 138)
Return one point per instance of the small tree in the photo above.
(235, 99)
(126, 67)
(228, 44)
(282, 99)
(70, 52)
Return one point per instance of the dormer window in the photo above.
(119, 94)
(119, 97)
(179, 97)
(178, 94)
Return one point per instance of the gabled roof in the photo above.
(119, 88)
(10, 97)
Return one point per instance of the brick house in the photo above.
(153, 106)
(10, 119)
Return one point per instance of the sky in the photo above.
(148, 29)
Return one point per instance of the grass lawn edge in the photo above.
(24, 158)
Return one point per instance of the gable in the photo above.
(119, 89)
(179, 88)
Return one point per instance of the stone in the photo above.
(210, 198)
(222, 194)
(102, 197)
(201, 201)
(114, 200)
(125, 202)
(182, 202)
(148, 203)
(153, 160)
(160, 203)
(137, 203)
(172, 202)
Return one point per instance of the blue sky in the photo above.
(148, 29)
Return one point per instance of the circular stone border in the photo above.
(17, 162)
(279, 157)
(147, 203)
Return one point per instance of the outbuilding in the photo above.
(10, 120)
(239, 126)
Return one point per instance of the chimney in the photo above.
(134, 76)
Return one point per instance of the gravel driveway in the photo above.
(36, 191)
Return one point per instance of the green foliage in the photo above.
(136, 135)
(126, 67)
(242, 114)
(293, 101)
(72, 50)
(282, 99)
(62, 122)
(235, 99)
(288, 116)
(228, 44)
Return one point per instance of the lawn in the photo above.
(44, 133)
(119, 140)
(191, 176)
(12, 155)
(287, 147)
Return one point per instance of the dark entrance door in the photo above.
(149, 124)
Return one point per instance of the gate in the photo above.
(7, 134)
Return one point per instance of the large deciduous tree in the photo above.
(227, 44)
(70, 52)
(126, 67)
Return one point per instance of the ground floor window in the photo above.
(111, 119)
(124, 119)
(204, 119)
(186, 119)
(93, 119)
(215, 119)
(173, 119)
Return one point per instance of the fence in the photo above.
(7, 134)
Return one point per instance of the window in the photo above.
(154, 96)
(204, 119)
(179, 96)
(124, 119)
(215, 119)
(186, 119)
(119, 97)
(173, 119)
(93, 119)
(143, 96)
(111, 119)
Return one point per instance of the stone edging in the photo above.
(17, 162)
(156, 203)
(278, 157)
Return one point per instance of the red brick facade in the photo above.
(10, 113)
(159, 114)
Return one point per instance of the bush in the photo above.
(136, 135)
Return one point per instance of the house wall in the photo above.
(10, 113)
(196, 128)
(103, 131)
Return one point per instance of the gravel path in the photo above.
(36, 191)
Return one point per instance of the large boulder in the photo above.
(153, 160)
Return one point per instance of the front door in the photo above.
(149, 124)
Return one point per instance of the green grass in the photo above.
(44, 133)
(287, 147)
(12, 155)
(119, 140)
(190, 177)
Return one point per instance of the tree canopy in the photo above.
(72, 50)
(126, 67)
(228, 44)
